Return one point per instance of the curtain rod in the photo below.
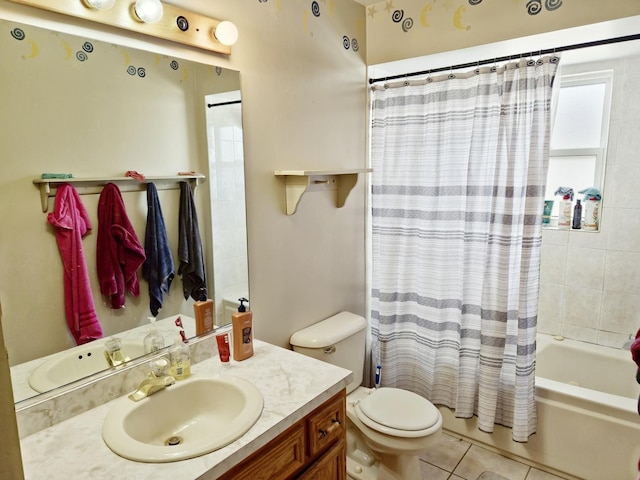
(232, 102)
(565, 48)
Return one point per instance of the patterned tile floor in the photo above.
(456, 459)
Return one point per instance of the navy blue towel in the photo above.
(190, 254)
(158, 268)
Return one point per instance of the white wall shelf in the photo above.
(94, 185)
(298, 182)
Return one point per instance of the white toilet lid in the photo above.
(397, 412)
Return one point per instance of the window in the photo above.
(579, 136)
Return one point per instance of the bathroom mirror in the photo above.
(92, 109)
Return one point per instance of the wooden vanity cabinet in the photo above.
(314, 448)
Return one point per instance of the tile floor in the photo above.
(456, 459)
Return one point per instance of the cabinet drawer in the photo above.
(277, 460)
(327, 424)
(330, 466)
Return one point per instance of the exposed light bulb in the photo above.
(226, 33)
(148, 11)
(99, 4)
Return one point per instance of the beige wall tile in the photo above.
(585, 267)
(620, 312)
(581, 306)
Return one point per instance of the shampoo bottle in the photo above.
(564, 212)
(180, 359)
(242, 327)
(153, 341)
(577, 216)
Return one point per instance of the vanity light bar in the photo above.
(177, 24)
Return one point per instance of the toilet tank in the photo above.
(339, 340)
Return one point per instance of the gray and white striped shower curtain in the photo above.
(459, 172)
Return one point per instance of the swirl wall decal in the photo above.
(397, 16)
(407, 24)
(354, 45)
(218, 71)
(81, 56)
(552, 4)
(315, 8)
(475, 2)
(18, 34)
(141, 72)
(346, 43)
(534, 7)
(174, 65)
(131, 70)
(87, 47)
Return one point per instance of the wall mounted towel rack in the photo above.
(87, 186)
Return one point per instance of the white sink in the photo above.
(188, 419)
(77, 363)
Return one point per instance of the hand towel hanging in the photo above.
(119, 252)
(194, 282)
(71, 223)
(158, 269)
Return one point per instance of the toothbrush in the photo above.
(378, 372)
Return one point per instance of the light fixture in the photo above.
(148, 11)
(170, 22)
(226, 33)
(99, 4)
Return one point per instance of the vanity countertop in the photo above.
(293, 385)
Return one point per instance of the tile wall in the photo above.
(590, 282)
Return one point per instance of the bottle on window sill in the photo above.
(577, 216)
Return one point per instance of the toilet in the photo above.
(387, 428)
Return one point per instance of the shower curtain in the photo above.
(459, 171)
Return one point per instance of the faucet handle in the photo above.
(159, 367)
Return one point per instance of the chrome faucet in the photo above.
(157, 380)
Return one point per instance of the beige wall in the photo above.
(442, 26)
(304, 106)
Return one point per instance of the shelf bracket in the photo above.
(298, 182)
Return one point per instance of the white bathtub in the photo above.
(588, 424)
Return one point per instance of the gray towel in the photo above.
(194, 281)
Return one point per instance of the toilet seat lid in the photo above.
(399, 409)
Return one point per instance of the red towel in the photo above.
(71, 223)
(119, 252)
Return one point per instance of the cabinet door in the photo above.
(277, 460)
(330, 466)
(327, 424)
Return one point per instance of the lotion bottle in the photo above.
(242, 327)
(180, 357)
(204, 314)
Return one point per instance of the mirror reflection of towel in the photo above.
(71, 223)
(190, 254)
(158, 268)
(119, 253)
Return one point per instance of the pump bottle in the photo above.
(242, 327)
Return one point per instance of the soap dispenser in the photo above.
(153, 341)
(242, 327)
(180, 357)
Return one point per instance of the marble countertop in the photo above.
(293, 385)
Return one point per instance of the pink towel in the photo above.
(71, 223)
(119, 252)
(635, 349)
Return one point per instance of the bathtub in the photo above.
(588, 424)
